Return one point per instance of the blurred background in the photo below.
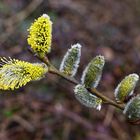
(47, 109)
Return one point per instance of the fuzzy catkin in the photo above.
(16, 73)
(71, 60)
(126, 87)
(86, 98)
(93, 72)
(132, 109)
(40, 35)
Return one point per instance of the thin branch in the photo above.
(72, 80)
(105, 98)
(93, 91)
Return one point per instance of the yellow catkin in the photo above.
(16, 73)
(40, 35)
(126, 87)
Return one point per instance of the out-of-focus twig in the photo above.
(109, 116)
(28, 126)
(117, 129)
(59, 109)
(12, 22)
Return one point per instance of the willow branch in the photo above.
(72, 80)
(93, 91)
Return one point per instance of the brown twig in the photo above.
(59, 109)
(108, 116)
(94, 91)
(27, 125)
(72, 80)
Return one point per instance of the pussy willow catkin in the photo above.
(16, 73)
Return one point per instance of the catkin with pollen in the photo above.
(40, 35)
(16, 73)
